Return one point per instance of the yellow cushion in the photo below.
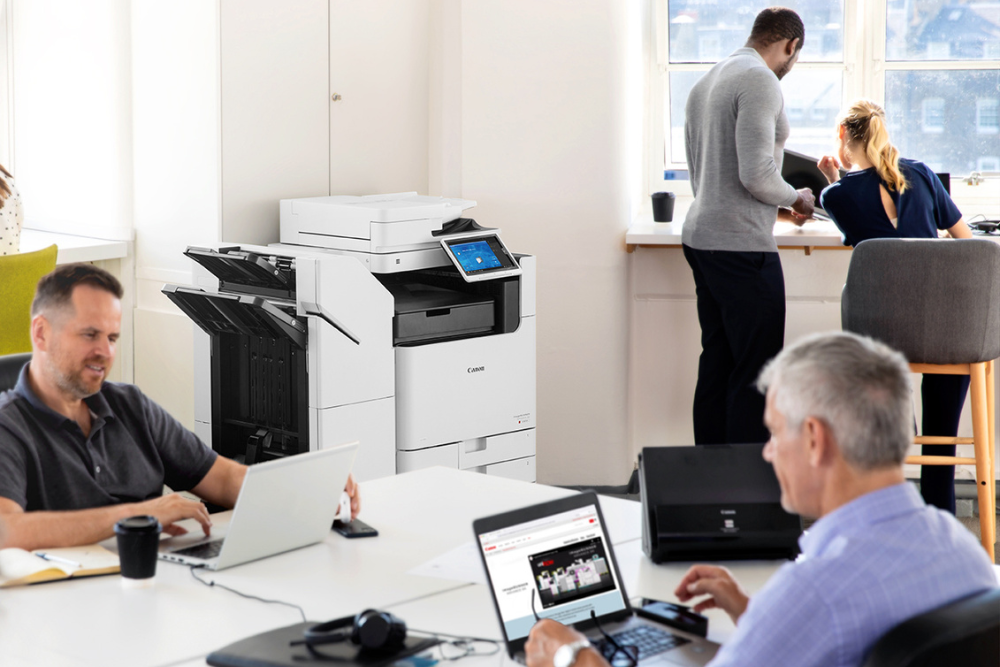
(19, 276)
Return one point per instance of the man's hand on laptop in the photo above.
(788, 215)
(547, 637)
(718, 582)
(174, 507)
(805, 204)
(355, 494)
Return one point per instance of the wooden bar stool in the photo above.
(938, 302)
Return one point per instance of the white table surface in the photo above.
(813, 234)
(419, 515)
(73, 248)
(817, 233)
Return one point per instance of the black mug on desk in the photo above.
(663, 206)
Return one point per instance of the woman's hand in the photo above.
(830, 168)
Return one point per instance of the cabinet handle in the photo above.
(336, 97)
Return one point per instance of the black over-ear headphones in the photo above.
(371, 629)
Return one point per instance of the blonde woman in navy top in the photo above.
(886, 196)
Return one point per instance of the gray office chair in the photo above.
(937, 302)
(10, 368)
(964, 633)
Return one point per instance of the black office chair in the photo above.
(966, 632)
(10, 368)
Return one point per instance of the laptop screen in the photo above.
(561, 565)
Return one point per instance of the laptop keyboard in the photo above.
(651, 641)
(205, 551)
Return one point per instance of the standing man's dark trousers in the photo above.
(942, 397)
(741, 309)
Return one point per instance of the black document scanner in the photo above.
(715, 502)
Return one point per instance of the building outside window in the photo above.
(933, 64)
(988, 116)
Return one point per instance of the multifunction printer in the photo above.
(388, 319)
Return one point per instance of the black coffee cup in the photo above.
(663, 206)
(138, 544)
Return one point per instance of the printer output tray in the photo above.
(425, 313)
(236, 314)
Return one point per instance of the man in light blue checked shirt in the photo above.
(838, 407)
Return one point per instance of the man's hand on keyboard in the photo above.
(546, 637)
(174, 507)
(718, 582)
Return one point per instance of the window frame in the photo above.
(864, 69)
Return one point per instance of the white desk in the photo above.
(73, 248)
(469, 610)
(419, 515)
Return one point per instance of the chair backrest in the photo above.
(936, 301)
(966, 632)
(19, 276)
(10, 368)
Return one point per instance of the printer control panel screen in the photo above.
(481, 255)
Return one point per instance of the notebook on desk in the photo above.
(554, 560)
(284, 504)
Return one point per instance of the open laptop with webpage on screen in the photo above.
(554, 560)
(284, 504)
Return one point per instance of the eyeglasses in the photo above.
(618, 655)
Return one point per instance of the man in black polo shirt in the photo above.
(78, 453)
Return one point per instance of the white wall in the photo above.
(175, 83)
(545, 154)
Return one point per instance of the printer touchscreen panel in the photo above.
(476, 256)
(480, 257)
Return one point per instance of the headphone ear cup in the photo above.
(378, 630)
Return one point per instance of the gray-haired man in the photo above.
(839, 413)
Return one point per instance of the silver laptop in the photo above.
(284, 504)
(554, 560)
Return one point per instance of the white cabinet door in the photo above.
(379, 66)
(275, 67)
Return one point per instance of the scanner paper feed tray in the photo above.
(235, 314)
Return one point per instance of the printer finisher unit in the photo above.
(464, 352)
(286, 359)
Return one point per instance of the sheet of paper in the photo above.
(460, 564)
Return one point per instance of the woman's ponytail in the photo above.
(883, 155)
(865, 125)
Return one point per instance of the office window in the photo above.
(942, 30)
(988, 116)
(939, 76)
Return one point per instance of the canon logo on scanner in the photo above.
(476, 369)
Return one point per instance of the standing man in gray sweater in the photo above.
(735, 131)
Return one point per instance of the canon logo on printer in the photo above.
(727, 511)
(476, 369)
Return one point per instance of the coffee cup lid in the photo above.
(138, 524)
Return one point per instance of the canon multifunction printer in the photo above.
(387, 319)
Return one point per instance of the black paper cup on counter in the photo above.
(138, 546)
(663, 206)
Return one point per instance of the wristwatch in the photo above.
(566, 654)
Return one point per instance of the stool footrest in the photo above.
(941, 460)
(942, 440)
